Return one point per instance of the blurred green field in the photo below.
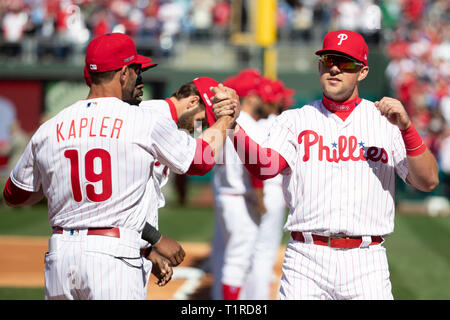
(418, 252)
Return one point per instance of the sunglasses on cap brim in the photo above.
(342, 62)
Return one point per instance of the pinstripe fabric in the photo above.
(312, 272)
(159, 172)
(259, 279)
(143, 138)
(341, 179)
(94, 161)
(81, 266)
(236, 224)
(338, 196)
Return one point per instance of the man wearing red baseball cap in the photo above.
(338, 157)
(93, 162)
(186, 107)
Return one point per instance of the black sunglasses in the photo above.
(139, 80)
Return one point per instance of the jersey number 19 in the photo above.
(104, 175)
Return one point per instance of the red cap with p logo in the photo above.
(345, 41)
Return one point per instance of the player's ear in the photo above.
(194, 101)
(123, 73)
(363, 73)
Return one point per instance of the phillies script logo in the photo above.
(345, 149)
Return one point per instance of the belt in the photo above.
(109, 232)
(340, 242)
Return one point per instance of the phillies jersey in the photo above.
(341, 175)
(94, 160)
(160, 172)
(263, 126)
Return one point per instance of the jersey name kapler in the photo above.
(345, 149)
(90, 127)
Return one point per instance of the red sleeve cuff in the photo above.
(14, 195)
(203, 160)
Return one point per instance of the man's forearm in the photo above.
(423, 171)
(215, 135)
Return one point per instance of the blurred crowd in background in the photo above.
(419, 71)
(71, 22)
(414, 33)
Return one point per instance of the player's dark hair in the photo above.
(187, 90)
(107, 76)
(102, 77)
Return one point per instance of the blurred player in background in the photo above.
(239, 202)
(259, 280)
(13, 139)
(7, 120)
(186, 107)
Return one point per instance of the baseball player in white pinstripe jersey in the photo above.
(237, 206)
(260, 277)
(186, 107)
(338, 157)
(167, 252)
(189, 105)
(92, 161)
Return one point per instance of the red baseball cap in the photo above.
(112, 51)
(146, 66)
(288, 97)
(347, 42)
(204, 85)
(268, 92)
(245, 82)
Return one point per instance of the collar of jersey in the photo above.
(341, 109)
(173, 110)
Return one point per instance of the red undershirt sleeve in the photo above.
(14, 195)
(256, 183)
(263, 163)
(203, 160)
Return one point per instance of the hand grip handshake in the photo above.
(225, 103)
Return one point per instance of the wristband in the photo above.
(413, 142)
(151, 234)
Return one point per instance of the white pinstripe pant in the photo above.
(315, 272)
(87, 267)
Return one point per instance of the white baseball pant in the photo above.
(260, 277)
(237, 229)
(316, 272)
(94, 267)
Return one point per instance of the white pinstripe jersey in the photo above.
(94, 159)
(229, 174)
(341, 175)
(264, 126)
(159, 171)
